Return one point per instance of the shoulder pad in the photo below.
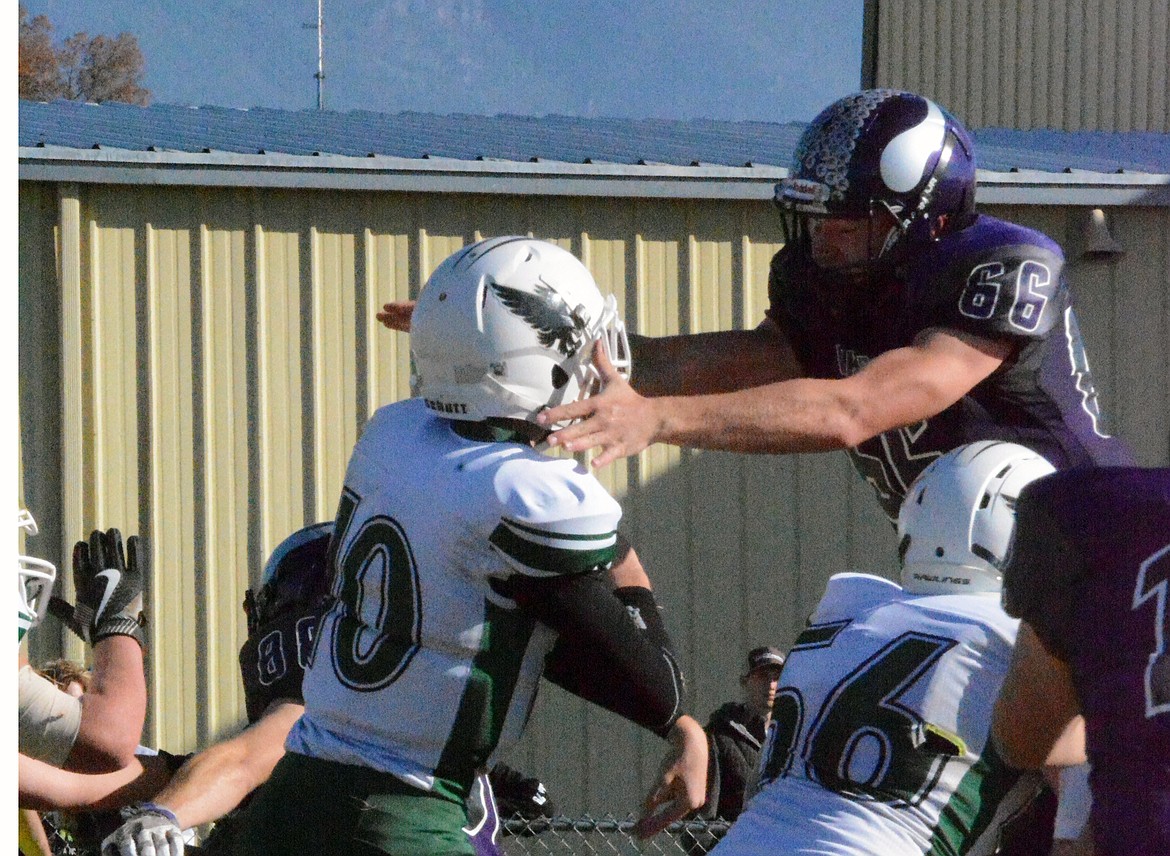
(993, 279)
(554, 517)
(1043, 574)
(848, 594)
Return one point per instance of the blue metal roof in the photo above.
(568, 139)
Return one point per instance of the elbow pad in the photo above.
(643, 611)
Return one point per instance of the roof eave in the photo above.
(543, 178)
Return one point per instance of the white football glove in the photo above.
(147, 830)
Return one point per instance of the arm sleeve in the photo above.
(570, 667)
(606, 659)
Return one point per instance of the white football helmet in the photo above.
(35, 578)
(958, 517)
(505, 329)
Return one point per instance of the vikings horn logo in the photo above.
(556, 325)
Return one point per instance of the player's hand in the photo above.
(108, 582)
(682, 784)
(617, 420)
(147, 830)
(396, 316)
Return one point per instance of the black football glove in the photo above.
(109, 588)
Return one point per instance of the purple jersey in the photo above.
(993, 279)
(1090, 571)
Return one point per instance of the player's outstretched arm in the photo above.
(44, 787)
(207, 786)
(682, 783)
(690, 364)
(109, 580)
(899, 387)
(709, 363)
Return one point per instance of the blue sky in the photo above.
(774, 60)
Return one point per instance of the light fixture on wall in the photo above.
(1096, 240)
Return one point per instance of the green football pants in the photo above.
(311, 807)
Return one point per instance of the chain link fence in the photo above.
(605, 836)
(543, 836)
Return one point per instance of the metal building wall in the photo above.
(1067, 64)
(197, 362)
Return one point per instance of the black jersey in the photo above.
(993, 279)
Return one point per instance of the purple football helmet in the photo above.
(881, 149)
(296, 576)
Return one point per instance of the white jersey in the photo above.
(879, 739)
(422, 668)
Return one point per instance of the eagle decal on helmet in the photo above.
(557, 326)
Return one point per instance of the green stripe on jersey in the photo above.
(819, 635)
(588, 552)
(486, 699)
(973, 804)
(557, 536)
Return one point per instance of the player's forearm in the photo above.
(208, 786)
(113, 708)
(216, 780)
(47, 788)
(795, 416)
(707, 363)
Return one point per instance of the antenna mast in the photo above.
(320, 75)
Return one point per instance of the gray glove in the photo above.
(147, 830)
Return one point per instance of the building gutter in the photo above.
(539, 178)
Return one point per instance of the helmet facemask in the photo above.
(35, 578)
(610, 331)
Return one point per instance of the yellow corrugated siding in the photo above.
(173, 505)
(1068, 64)
(218, 356)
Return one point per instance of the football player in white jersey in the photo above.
(879, 736)
(460, 552)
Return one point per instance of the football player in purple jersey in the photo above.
(1088, 573)
(902, 322)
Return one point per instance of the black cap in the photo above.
(765, 655)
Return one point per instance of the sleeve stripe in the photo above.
(545, 557)
(561, 540)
